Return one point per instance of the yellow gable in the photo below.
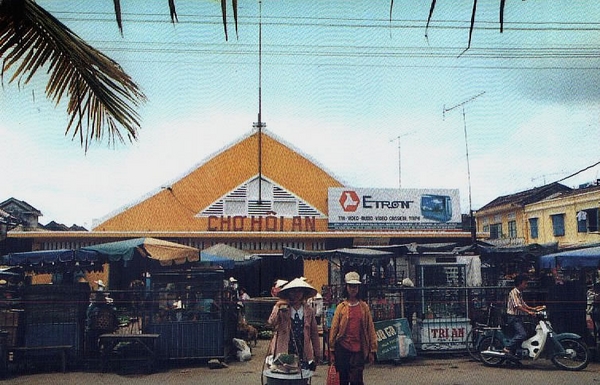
(183, 206)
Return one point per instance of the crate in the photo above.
(52, 334)
(12, 339)
(9, 318)
(189, 340)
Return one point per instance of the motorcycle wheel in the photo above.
(491, 343)
(576, 357)
(472, 341)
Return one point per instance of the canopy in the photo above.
(37, 258)
(225, 263)
(360, 256)
(165, 252)
(226, 256)
(579, 258)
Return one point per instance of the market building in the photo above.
(261, 195)
(262, 201)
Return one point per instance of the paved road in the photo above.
(430, 370)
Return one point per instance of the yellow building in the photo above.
(504, 218)
(569, 218)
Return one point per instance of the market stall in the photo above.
(423, 287)
(137, 274)
(188, 312)
(49, 319)
(566, 276)
(443, 317)
(182, 303)
(380, 270)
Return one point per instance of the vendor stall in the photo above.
(436, 309)
(566, 276)
(188, 312)
(443, 322)
(48, 320)
(153, 286)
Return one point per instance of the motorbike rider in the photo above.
(516, 309)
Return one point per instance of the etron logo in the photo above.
(349, 201)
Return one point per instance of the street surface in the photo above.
(441, 369)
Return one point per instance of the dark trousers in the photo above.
(349, 365)
(515, 322)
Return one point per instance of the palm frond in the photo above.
(473, 12)
(224, 15)
(102, 97)
(117, 4)
(234, 4)
(431, 9)
(173, 11)
(502, 5)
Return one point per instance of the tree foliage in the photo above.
(102, 97)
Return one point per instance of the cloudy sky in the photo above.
(361, 95)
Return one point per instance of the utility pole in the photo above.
(462, 104)
(260, 124)
(400, 157)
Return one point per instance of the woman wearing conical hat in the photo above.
(294, 323)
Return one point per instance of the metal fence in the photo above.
(440, 317)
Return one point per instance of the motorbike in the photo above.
(567, 351)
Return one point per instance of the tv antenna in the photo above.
(260, 124)
(462, 104)
(400, 156)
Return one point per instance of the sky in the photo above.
(377, 103)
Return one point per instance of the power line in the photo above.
(351, 51)
(204, 19)
(578, 172)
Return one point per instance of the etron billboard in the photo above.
(393, 209)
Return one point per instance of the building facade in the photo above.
(504, 218)
(570, 218)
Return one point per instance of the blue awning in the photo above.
(579, 258)
(30, 258)
(216, 260)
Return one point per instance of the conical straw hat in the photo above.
(296, 283)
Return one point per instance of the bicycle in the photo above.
(479, 331)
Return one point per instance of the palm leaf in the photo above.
(502, 5)
(472, 24)
(102, 97)
(173, 11)
(117, 4)
(431, 8)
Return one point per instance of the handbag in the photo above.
(332, 376)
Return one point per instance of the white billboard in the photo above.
(393, 209)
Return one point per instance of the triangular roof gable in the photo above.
(268, 206)
(12, 204)
(175, 208)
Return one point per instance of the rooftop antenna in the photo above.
(400, 156)
(260, 124)
(462, 104)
